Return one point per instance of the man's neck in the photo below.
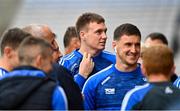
(4, 65)
(90, 51)
(125, 67)
(157, 78)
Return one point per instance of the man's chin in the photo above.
(102, 48)
(132, 63)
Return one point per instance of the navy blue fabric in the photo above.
(58, 98)
(65, 80)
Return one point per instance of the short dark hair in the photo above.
(87, 18)
(12, 38)
(158, 36)
(126, 29)
(30, 45)
(69, 34)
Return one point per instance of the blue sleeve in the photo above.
(128, 102)
(89, 95)
(177, 82)
(59, 101)
(80, 80)
(134, 96)
(64, 62)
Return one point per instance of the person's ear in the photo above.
(143, 69)
(38, 61)
(82, 35)
(114, 46)
(8, 52)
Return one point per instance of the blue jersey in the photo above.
(59, 101)
(72, 62)
(152, 96)
(3, 72)
(107, 88)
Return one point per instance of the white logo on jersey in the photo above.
(168, 90)
(110, 91)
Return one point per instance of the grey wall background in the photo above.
(148, 15)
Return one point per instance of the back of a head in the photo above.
(157, 36)
(12, 38)
(69, 34)
(87, 18)
(30, 48)
(126, 29)
(158, 60)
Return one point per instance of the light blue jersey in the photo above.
(72, 62)
(106, 89)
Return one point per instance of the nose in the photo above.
(104, 35)
(60, 54)
(133, 49)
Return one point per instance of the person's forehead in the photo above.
(129, 38)
(95, 25)
(150, 41)
(50, 36)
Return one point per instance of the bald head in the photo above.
(40, 31)
(44, 32)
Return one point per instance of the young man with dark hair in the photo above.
(91, 30)
(106, 89)
(9, 44)
(159, 93)
(27, 86)
(71, 40)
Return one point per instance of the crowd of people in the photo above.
(35, 74)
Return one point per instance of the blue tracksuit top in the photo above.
(107, 88)
(163, 95)
(59, 101)
(72, 62)
(2, 72)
